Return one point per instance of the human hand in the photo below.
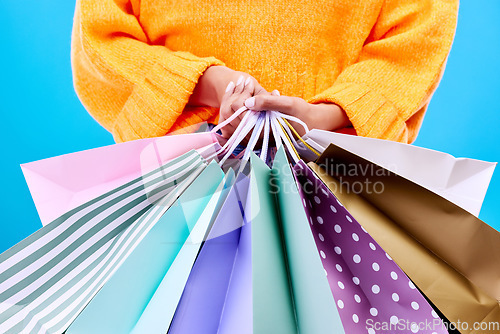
(226, 89)
(234, 98)
(322, 116)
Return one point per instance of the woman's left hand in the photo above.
(323, 116)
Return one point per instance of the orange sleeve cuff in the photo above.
(371, 114)
(156, 103)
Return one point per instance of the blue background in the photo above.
(42, 117)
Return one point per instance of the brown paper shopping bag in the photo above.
(451, 255)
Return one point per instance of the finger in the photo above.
(259, 90)
(249, 85)
(229, 90)
(240, 84)
(232, 90)
(227, 131)
(253, 88)
(236, 97)
(284, 104)
(224, 109)
(225, 112)
(239, 99)
(247, 92)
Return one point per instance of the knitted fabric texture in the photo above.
(136, 63)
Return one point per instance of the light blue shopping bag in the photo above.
(119, 305)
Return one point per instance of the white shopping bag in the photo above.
(460, 180)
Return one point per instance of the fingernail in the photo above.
(240, 80)
(250, 102)
(247, 81)
(230, 86)
(276, 92)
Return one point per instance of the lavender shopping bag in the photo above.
(204, 297)
(259, 271)
(373, 294)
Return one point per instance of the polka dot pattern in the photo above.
(365, 281)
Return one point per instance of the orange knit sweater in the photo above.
(136, 62)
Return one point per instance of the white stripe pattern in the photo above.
(125, 243)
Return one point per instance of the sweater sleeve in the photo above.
(386, 91)
(131, 87)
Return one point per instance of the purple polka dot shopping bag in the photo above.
(372, 293)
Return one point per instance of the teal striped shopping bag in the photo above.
(48, 278)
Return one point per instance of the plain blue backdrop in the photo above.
(42, 117)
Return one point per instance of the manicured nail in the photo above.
(230, 87)
(250, 102)
(240, 80)
(275, 92)
(247, 81)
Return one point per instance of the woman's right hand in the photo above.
(226, 89)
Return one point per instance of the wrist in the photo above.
(211, 86)
(218, 78)
(328, 116)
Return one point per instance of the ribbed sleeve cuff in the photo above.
(371, 114)
(155, 104)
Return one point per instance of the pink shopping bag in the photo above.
(62, 183)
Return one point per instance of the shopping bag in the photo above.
(276, 282)
(272, 310)
(160, 310)
(49, 277)
(372, 292)
(420, 229)
(55, 189)
(289, 291)
(315, 308)
(461, 181)
(204, 298)
(237, 310)
(272, 280)
(165, 254)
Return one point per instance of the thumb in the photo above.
(284, 104)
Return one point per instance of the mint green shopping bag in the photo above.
(315, 308)
(119, 305)
(273, 310)
(277, 283)
(290, 290)
(158, 314)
